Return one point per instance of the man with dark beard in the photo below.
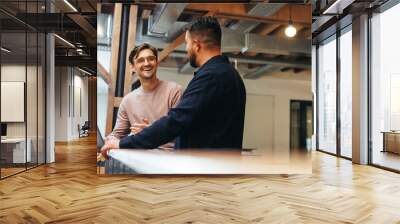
(211, 111)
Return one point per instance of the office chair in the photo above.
(84, 130)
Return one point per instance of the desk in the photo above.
(16, 148)
(391, 141)
(133, 161)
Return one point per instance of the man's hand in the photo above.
(138, 127)
(111, 143)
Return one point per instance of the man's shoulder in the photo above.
(131, 95)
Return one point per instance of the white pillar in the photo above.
(50, 98)
(360, 90)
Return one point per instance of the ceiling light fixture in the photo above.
(70, 5)
(79, 51)
(5, 50)
(64, 40)
(84, 71)
(290, 30)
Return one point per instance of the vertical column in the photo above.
(338, 91)
(119, 89)
(50, 93)
(314, 93)
(114, 66)
(50, 98)
(130, 45)
(92, 99)
(360, 90)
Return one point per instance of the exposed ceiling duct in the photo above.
(163, 18)
(298, 63)
(275, 45)
(261, 9)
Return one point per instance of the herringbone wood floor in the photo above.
(70, 191)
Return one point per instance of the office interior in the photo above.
(276, 68)
(68, 188)
(48, 81)
(356, 82)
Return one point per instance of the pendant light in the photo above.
(290, 30)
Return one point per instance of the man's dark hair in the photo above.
(135, 52)
(207, 30)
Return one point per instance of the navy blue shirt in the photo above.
(209, 115)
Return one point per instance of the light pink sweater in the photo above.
(151, 105)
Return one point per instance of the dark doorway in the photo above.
(300, 124)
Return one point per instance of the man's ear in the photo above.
(198, 47)
(132, 67)
(195, 46)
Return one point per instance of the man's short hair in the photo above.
(135, 52)
(207, 30)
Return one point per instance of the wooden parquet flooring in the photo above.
(70, 191)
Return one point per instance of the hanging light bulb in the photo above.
(290, 30)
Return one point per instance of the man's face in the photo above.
(145, 64)
(191, 50)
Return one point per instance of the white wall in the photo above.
(71, 93)
(33, 127)
(12, 73)
(267, 121)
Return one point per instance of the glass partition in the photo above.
(346, 93)
(327, 96)
(22, 88)
(385, 89)
(15, 151)
(31, 97)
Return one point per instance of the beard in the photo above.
(192, 60)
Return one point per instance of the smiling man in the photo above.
(148, 103)
(211, 111)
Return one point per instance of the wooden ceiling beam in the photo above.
(103, 73)
(235, 8)
(299, 13)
